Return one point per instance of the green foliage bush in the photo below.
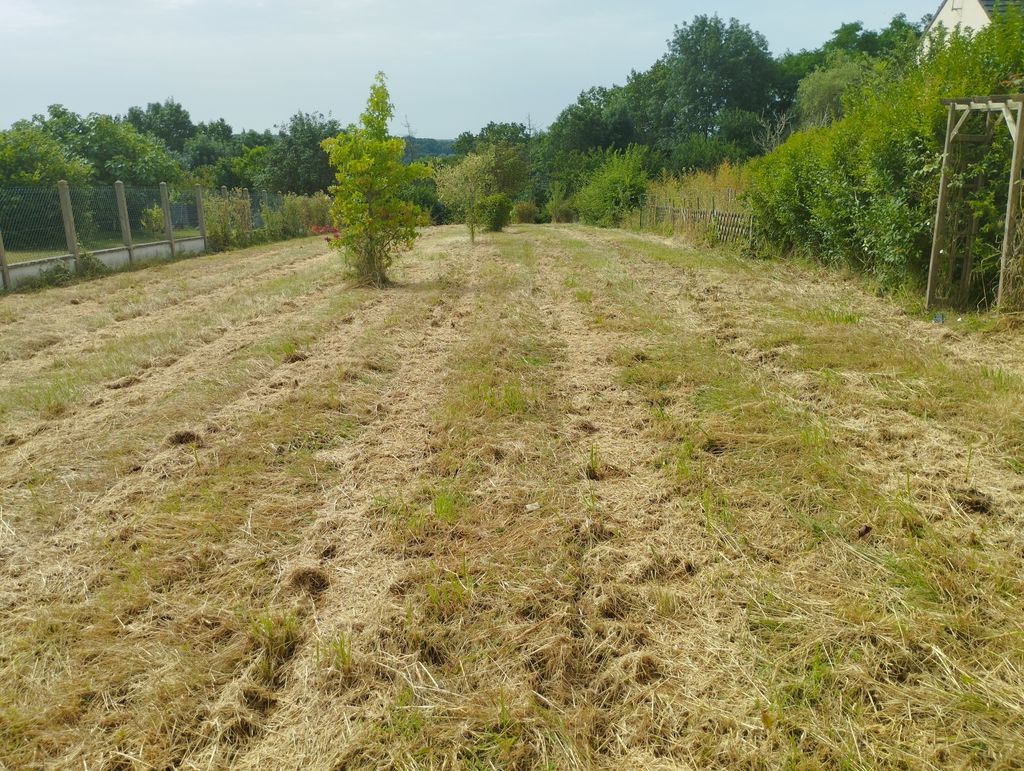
(559, 208)
(462, 185)
(296, 216)
(495, 212)
(29, 156)
(229, 218)
(862, 192)
(228, 221)
(152, 219)
(525, 212)
(617, 187)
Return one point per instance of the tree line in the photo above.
(717, 95)
(161, 143)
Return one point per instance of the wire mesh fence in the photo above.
(35, 226)
(145, 215)
(257, 209)
(97, 222)
(184, 213)
(31, 223)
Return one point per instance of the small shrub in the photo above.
(152, 219)
(461, 186)
(559, 208)
(297, 216)
(228, 220)
(90, 266)
(525, 212)
(495, 212)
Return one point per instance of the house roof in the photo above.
(991, 5)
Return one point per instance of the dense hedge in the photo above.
(862, 191)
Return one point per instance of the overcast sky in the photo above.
(452, 65)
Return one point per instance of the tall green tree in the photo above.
(114, 149)
(716, 66)
(296, 161)
(168, 121)
(372, 205)
(29, 156)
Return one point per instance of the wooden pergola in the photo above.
(952, 258)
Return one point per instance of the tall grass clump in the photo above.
(861, 192)
(723, 186)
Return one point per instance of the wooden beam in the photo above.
(984, 100)
(1011, 120)
(1010, 266)
(940, 213)
(959, 124)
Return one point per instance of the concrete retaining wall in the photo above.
(115, 259)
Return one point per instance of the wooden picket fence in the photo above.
(728, 226)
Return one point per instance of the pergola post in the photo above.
(940, 211)
(1010, 266)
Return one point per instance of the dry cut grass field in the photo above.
(568, 499)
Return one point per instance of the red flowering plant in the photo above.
(329, 232)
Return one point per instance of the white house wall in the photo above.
(967, 14)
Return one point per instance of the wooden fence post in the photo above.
(165, 204)
(200, 214)
(5, 272)
(126, 225)
(68, 214)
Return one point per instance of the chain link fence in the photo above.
(97, 221)
(39, 229)
(184, 213)
(145, 215)
(31, 223)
